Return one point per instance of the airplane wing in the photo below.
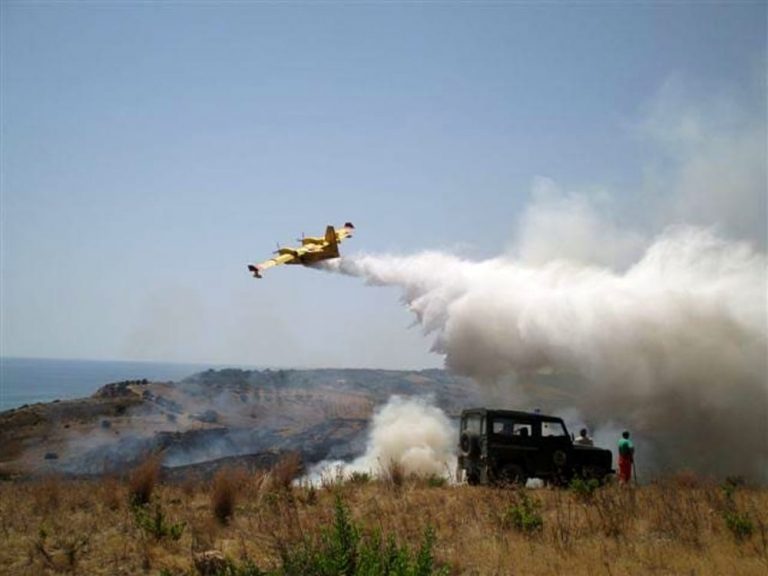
(284, 258)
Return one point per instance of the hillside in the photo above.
(211, 415)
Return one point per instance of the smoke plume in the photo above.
(673, 348)
(410, 434)
(650, 305)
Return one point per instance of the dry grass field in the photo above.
(242, 524)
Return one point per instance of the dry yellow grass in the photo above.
(88, 527)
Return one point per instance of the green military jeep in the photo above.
(509, 447)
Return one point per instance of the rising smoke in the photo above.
(408, 434)
(664, 334)
(673, 348)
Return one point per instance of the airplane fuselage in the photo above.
(313, 249)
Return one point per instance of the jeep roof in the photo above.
(510, 413)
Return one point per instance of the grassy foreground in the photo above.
(241, 524)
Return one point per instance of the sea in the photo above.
(31, 380)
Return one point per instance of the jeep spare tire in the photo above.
(468, 445)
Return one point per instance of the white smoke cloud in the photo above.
(674, 347)
(410, 433)
(575, 227)
(663, 332)
(710, 163)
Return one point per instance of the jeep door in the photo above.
(512, 442)
(555, 454)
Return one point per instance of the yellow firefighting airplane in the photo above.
(313, 249)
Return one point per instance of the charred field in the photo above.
(243, 417)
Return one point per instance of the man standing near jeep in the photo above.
(626, 457)
(584, 439)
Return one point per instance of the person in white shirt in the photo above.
(583, 439)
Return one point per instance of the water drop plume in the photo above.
(673, 347)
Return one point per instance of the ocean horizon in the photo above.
(32, 380)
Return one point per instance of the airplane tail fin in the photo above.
(330, 236)
(254, 270)
(333, 241)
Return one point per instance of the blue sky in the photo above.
(149, 152)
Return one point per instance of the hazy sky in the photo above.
(151, 151)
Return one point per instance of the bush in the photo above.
(584, 488)
(155, 523)
(523, 515)
(740, 524)
(343, 550)
(359, 478)
(286, 471)
(223, 495)
(142, 481)
(436, 481)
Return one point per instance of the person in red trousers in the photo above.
(626, 457)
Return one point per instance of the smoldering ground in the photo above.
(249, 416)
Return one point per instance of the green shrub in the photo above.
(584, 488)
(729, 491)
(436, 481)
(344, 550)
(523, 515)
(155, 524)
(740, 524)
(359, 478)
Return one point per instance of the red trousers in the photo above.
(625, 468)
